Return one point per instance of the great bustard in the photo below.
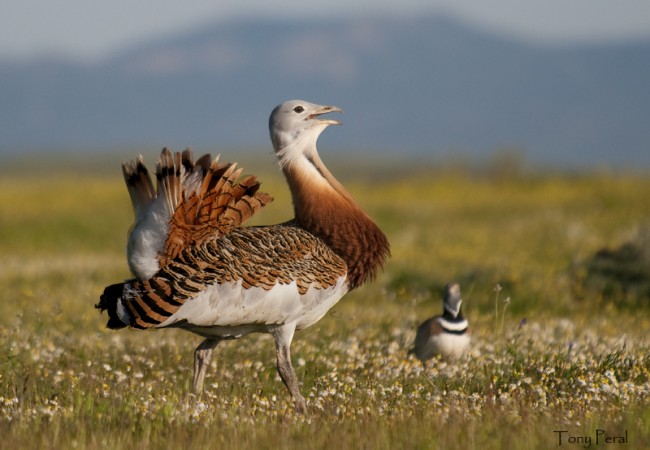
(197, 268)
(446, 335)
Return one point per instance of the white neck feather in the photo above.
(301, 145)
(453, 326)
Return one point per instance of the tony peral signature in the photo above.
(565, 437)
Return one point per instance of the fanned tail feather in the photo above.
(194, 201)
(139, 184)
(177, 177)
(194, 171)
(170, 172)
(221, 204)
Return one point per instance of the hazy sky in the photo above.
(86, 29)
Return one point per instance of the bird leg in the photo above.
(283, 337)
(202, 357)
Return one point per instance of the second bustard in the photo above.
(197, 268)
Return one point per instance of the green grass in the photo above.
(578, 362)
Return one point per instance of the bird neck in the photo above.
(323, 207)
(453, 316)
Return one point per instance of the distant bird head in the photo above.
(295, 126)
(452, 299)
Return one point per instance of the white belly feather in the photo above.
(445, 344)
(228, 310)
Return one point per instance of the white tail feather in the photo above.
(153, 210)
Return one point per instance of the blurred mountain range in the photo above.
(427, 85)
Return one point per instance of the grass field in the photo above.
(550, 361)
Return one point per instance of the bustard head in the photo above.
(295, 126)
(452, 299)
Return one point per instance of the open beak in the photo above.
(324, 110)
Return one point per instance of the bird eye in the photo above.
(298, 109)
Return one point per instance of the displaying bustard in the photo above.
(197, 268)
